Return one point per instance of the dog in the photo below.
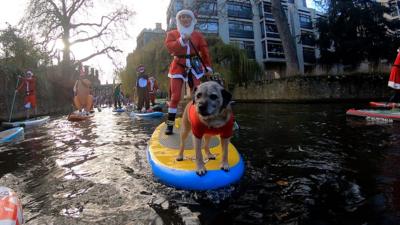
(209, 114)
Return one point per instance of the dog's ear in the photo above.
(193, 94)
(226, 96)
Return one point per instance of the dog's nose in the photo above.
(203, 109)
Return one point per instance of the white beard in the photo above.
(185, 30)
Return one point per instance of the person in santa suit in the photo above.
(394, 79)
(28, 84)
(153, 89)
(142, 89)
(186, 46)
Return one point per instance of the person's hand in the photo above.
(16, 91)
(158, 91)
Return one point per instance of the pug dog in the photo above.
(209, 114)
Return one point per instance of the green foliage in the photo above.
(19, 53)
(228, 60)
(354, 31)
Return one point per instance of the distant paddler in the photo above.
(83, 100)
(28, 85)
(394, 79)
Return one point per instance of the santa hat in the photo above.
(186, 12)
(185, 30)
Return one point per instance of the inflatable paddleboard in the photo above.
(27, 123)
(384, 104)
(10, 207)
(118, 110)
(78, 117)
(11, 134)
(371, 113)
(148, 115)
(163, 149)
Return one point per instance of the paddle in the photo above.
(12, 105)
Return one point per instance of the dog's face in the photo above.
(210, 98)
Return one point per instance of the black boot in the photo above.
(170, 123)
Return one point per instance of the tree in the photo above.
(69, 21)
(355, 31)
(288, 40)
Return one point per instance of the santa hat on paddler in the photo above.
(394, 79)
(181, 28)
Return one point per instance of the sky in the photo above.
(148, 13)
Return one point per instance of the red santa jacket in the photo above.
(29, 85)
(179, 50)
(394, 79)
(199, 128)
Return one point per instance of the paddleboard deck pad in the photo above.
(11, 134)
(27, 123)
(370, 113)
(385, 104)
(163, 150)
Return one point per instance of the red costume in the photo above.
(29, 85)
(199, 128)
(394, 79)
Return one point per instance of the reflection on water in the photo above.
(305, 164)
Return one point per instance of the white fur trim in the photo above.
(178, 76)
(181, 42)
(394, 85)
(172, 110)
(209, 69)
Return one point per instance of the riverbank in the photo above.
(329, 88)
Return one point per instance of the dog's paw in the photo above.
(179, 158)
(201, 170)
(211, 156)
(225, 166)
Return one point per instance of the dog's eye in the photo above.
(198, 95)
(213, 97)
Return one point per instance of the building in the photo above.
(146, 35)
(394, 15)
(250, 25)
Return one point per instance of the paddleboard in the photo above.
(11, 134)
(77, 117)
(10, 207)
(27, 123)
(118, 110)
(155, 114)
(385, 104)
(163, 149)
(375, 113)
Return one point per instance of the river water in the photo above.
(305, 164)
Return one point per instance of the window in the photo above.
(305, 21)
(264, 49)
(309, 55)
(260, 10)
(207, 26)
(275, 49)
(207, 8)
(240, 10)
(268, 10)
(262, 29)
(307, 38)
(240, 29)
(178, 6)
(271, 29)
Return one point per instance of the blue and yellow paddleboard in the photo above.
(163, 149)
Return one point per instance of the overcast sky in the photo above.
(148, 12)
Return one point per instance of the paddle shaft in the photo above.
(12, 105)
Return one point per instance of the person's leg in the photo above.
(175, 90)
(141, 92)
(147, 100)
(89, 103)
